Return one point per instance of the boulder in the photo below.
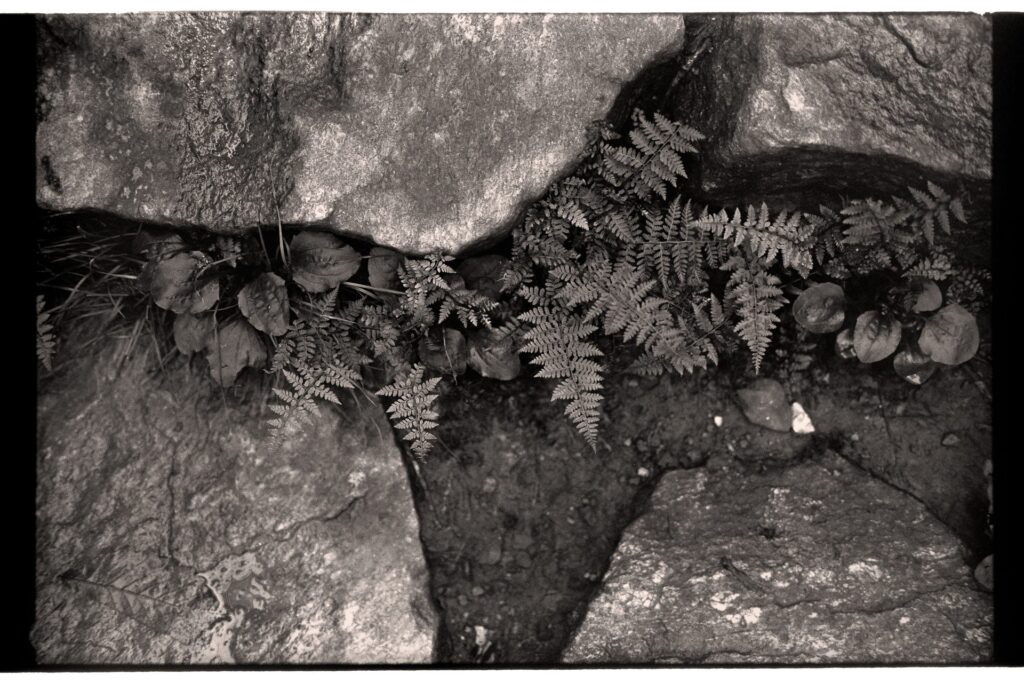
(803, 108)
(169, 532)
(817, 562)
(419, 132)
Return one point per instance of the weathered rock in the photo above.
(764, 403)
(815, 563)
(804, 107)
(419, 131)
(169, 532)
(905, 447)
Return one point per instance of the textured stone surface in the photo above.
(814, 563)
(849, 102)
(169, 532)
(419, 131)
(764, 403)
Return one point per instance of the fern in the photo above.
(315, 356)
(788, 236)
(557, 339)
(757, 295)
(413, 408)
(46, 341)
(654, 161)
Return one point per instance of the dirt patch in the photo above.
(519, 518)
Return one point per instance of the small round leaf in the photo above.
(913, 365)
(875, 336)
(264, 303)
(320, 261)
(950, 336)
(821, 308)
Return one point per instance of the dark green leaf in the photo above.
(950, 336)
(192, 332)
(383, 267)
(821, 308)
(264, 303)
(235, 346)
(320, 261)
(176, 285)
(875, 336)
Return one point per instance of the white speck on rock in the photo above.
(869, 569)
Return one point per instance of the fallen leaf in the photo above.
(192, 332)
(821, 308)
(493, 354)
(875, 336)
(264, 303)
(320, 261)
(383, 267)
(176, 282)
(444, 350)
(235, 346)
(950, 336)
(913, 365)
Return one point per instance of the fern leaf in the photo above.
(413, 408)
(46, 341)
(757, 295)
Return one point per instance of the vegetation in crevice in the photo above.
(613, 255)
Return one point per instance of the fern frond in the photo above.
(557, 339)
(654, 160)
(46, 341)
(757, 295)
(788, 236)
(413, 408)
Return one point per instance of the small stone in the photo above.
(490, 485)
(764, 403)
(463, 601)
(492, 556)
(718, 420)
(477, 591)
(950, 439)
(801, 420)
(643, 472)
(855, 437)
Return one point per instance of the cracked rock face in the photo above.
(420, 132)
(814, 563)
(858, 103)
(170, 533)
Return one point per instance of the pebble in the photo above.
(950, 439)
(477, 591)
(801, 420)
(490, 485)
(492, 556)
(763, 402)
(643, 472)
(718, 420)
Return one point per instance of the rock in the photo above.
(815, 563)
(801, 420)
(904, 451)
(763, 402)
(417, 131)
(983, 573)
(798, 108)
(169, 533)
(950, 439)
